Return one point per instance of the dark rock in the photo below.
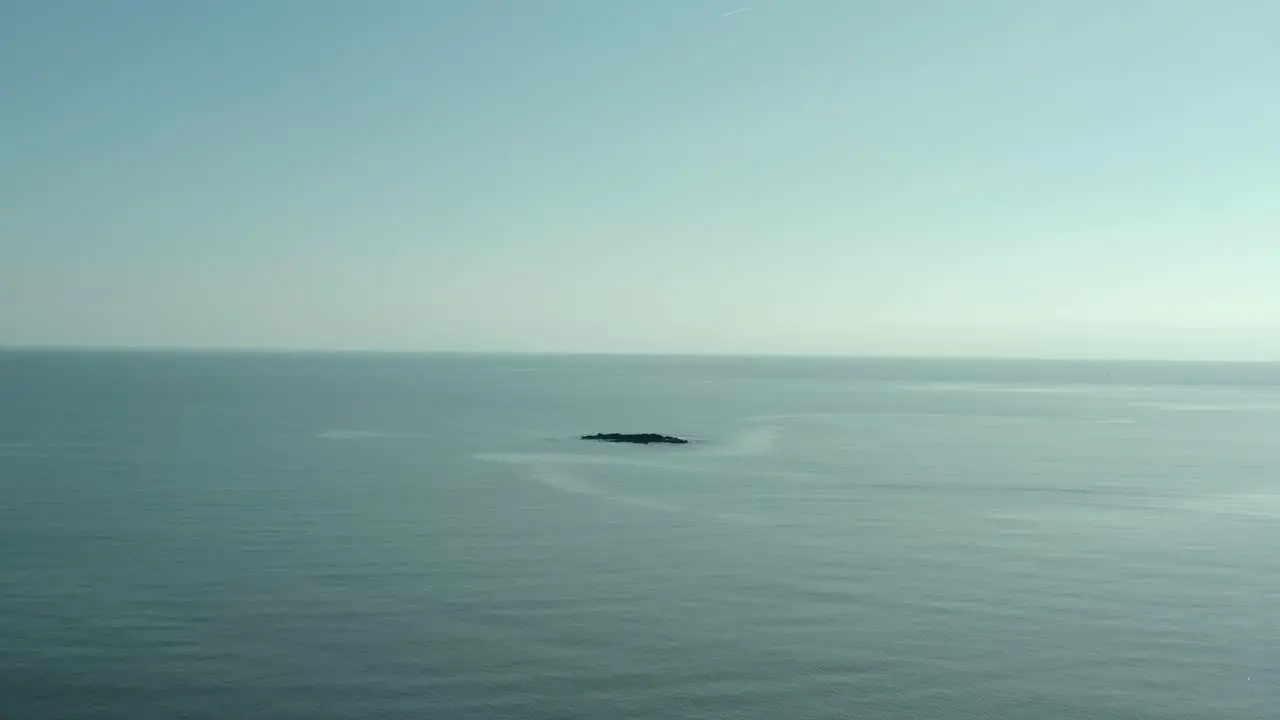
(637, 438)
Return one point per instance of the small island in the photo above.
(636, 438)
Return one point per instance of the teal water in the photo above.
(357, 536)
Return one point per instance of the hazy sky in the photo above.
(1016, 177)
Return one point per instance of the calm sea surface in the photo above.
(358, 536)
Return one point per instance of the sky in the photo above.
(991, 178)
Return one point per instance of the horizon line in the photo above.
(268, 350)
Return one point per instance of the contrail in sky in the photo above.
(739, 11)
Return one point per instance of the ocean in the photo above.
(240, 535)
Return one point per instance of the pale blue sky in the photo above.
(924, 177)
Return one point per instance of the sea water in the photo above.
(188, 535)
